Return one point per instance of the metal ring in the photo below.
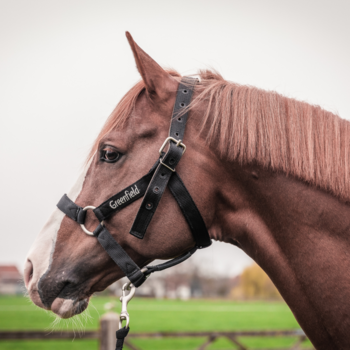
(83, 226)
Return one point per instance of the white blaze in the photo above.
(43, 247)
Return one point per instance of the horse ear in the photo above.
(158, 82)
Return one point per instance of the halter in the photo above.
(151, 187)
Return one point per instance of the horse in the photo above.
(268, 174)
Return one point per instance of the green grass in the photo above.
(150, 315)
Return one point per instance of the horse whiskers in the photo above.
(91, 303)
(76, 323)
(26, 293)
(55, 323)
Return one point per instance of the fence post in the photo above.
(108, 326)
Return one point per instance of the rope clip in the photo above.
(125, 298)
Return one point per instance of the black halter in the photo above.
(151, 187)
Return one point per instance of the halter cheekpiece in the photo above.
(151, 187)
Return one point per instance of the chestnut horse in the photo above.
(269, 174)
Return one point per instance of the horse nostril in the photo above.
(28, 272)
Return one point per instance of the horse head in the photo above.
(65, 266)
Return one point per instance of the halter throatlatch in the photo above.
(151, 187)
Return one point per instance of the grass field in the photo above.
(149, 315)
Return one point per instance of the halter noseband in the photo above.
(151, 187)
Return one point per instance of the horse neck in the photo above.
(300, 236)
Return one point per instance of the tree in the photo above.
(255, 284)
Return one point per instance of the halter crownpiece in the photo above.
(151, 187)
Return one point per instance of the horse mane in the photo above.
(251, 125)
(248, 125)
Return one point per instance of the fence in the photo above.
(109, 325)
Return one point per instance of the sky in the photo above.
(64, 65)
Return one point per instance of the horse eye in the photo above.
(109, 155)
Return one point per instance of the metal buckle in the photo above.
(83, 226)
(173, 170)
(178, 144)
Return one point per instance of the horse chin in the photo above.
(66, 308)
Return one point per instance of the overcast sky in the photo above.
(64, 65)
